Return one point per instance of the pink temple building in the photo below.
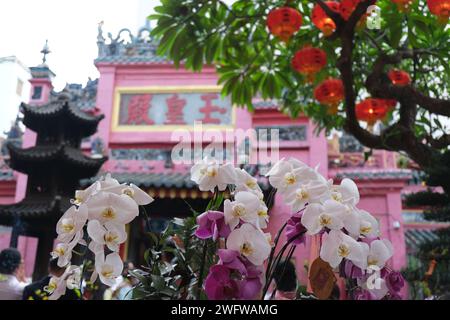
(145, 99)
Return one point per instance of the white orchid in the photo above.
(352, 220)
(284, 175)
(292, 162)
(251, 242)
(378, 288)
(109, 207)
(311, 192)
(208, 174)
(81, 196)
(110, 234)
(137, 194)
(56, 288)
(70, 279)
(108, 269)
(72, 221)
(338, 246)
(63, 250)
(245, 207)
(263, 215)
(368, 225)
(74, 279)
(347, 192)
(316, 217)
(378, 253)
(245, 182)
(107, 182)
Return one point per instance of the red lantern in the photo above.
(347, 8)
(399, 77)
(403, 5)
(284, 22)
(440, 8)
(330, 93)
(371, 110)
(308, 61)
(322, 21)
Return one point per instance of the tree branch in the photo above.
(335, 16)
(380, 86)
(441, 142)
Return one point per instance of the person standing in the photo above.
(35, 291)
(10, 287)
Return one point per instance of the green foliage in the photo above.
(252, 62)
(426, 198)
(176, 267)
(437, 206)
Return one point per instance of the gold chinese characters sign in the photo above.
(170, 108)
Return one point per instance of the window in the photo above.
(19, 87)
(37, 93)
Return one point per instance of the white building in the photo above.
(14, 89)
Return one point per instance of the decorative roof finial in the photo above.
(45, 51)
(100, 37)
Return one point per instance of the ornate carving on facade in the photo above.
(127, 47)
(139, 154)
(285, 133)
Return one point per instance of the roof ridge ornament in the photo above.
(45, 51)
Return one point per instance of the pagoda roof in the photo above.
(60, 110)
(32, 211)
(30, 159)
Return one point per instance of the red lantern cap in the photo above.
(330, 93)
(321, 20)
(440, 8)
(371, 110)
(399, 77)
(308, 61)
(284, 22)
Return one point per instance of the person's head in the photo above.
(54, 269)
(10, 260)
(127, 266)
(285, 276)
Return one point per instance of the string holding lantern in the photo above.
(322, 21)
(403, 5)
(308, 61)
(440, 8)
(371, 110)
(284, 22)
(399, 77)
(330, 93)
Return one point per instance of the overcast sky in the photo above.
(71, 29)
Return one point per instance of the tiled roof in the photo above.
(24, 160)
(415, 237)
(175, 180)
(377, 174)
(266, 105)
(60, 109)
(31, 210)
